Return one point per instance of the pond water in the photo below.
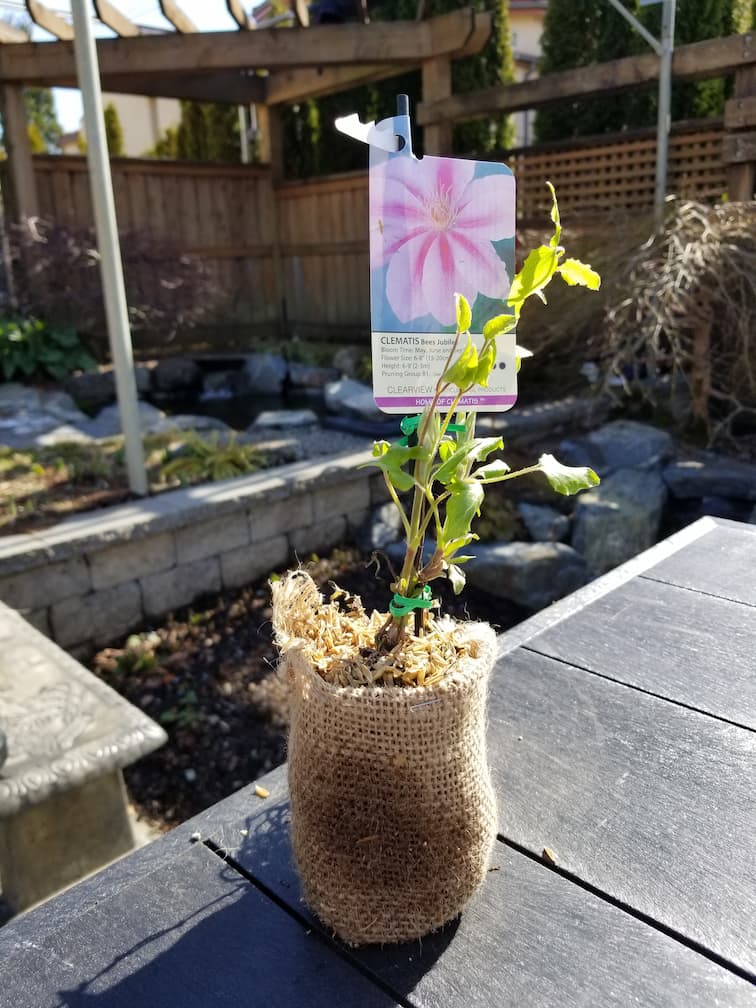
(241, 410)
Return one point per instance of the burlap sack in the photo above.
(393, 813)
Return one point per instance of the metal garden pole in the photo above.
(664, 48)
(663, 120)
(111, 268)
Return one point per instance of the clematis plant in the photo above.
(445, 466)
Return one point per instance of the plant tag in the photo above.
(438, 226)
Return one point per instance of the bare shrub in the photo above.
(167, 291)
(685, 306)
(572, 330)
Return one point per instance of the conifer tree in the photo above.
(113, 131)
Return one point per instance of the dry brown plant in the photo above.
(687, 310)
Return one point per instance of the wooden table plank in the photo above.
(194, 934)
(649, 802)
(637, 566)
(723, 563)
(691, 648)
(530, 937)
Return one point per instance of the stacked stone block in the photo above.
(96, 576)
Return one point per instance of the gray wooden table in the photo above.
(621, 737)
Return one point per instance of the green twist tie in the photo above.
(409, 425)
(403, 606)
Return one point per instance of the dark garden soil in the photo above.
(196, 674)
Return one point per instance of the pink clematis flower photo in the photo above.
(433, 223)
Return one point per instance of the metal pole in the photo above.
(111, 269)
(246, 155)
(663, 122)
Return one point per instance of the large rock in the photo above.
(107, 423)
(285, 419)
(63, 434)
(705, 474)
(266, 373)
(22, 429)
(162, 424)
(531, 574)
(308, 376)
(351, 398)
(176, 376)
(621, 444)
(14, 397)
(619, 518)
(531, 423)
(225, 384)
(382, 527)
(346, 360)
(91, 390)
(62, 406)
(544, 524)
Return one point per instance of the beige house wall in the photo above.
(143, 120)
(526, 24)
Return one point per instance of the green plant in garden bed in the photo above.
(442, 463)
(29, 347)
(43, 484)
(211, 459)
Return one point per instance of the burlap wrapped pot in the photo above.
(393, 812)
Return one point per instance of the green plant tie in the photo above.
(409, 425)
(403, 606)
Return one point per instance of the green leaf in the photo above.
(567, 479)
(486, 363)
(464, 314)
(461, 508)
(575, 272)
(449, 549)
(501, 324)
(390, 458)
(462, 371)
(447, 448)
(555, 218)
(457, 577)
(537, 271)
(470, 451)
(491, 472)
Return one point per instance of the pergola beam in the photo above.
(696, 61)
(399, 42)
(286, 86)
(49, 20)
(230, 87)
(239, 15)
(173, 13)
(9, 33)
(113, 19)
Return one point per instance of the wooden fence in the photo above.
(292, 259)
(617, 173)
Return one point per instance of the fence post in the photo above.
(270, 127)
(16, 140)
(437, 138)
(739, 144)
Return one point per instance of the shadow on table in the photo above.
(214, 938)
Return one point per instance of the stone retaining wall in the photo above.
(96, 576)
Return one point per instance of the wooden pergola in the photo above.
(249, 66)
(265, 67)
